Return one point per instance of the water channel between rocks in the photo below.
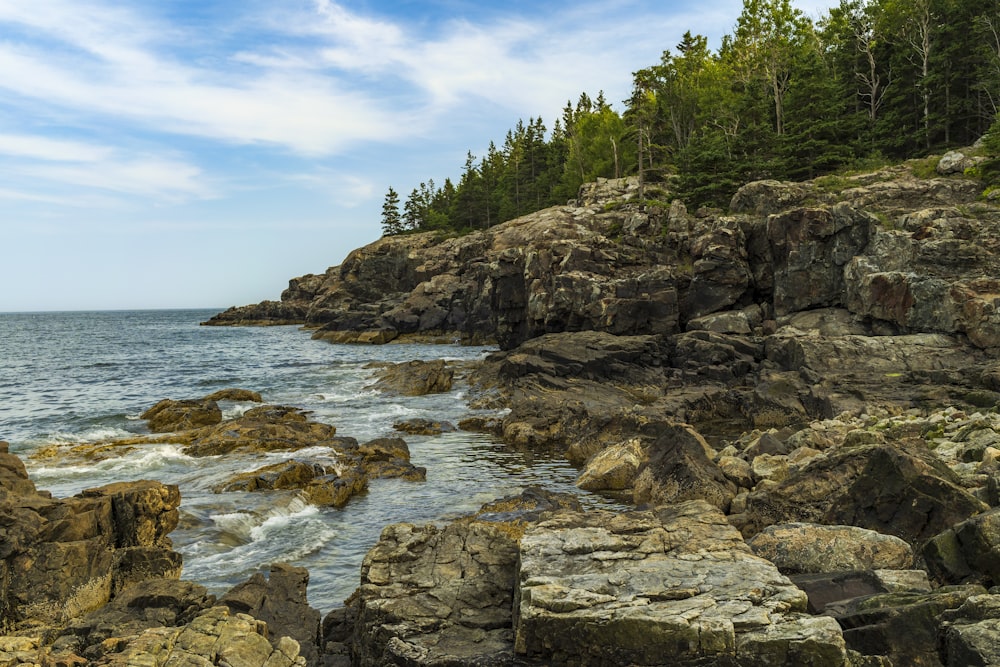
(85, 377)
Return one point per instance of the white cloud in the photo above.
(346, 189)
(306, 112)
(150, 177)
(45, 148)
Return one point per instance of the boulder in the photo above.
(442, 595)
(154, 603)
(241, 395)
(614, 468)
(800, 547)
(168, 415)
(972, 632)
(679, 468)
(215, 637)
(416, 378)
(902, 490)
(968, 550)
(333, 484)
(434, 596)
(420, 426)
(906, 627)
(830, 588)
(954, 162)
(261, 429)
(603, 588)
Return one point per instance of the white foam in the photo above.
(99, 434)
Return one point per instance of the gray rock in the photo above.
(604, 589)
(801, 547)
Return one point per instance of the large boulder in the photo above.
(902, 490)
(801, 547)
(603, 588)
(679, 467)
(434, 596)
(967, 550)
(905, 626)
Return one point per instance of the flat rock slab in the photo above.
(602, 588)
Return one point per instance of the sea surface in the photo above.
(81, 377)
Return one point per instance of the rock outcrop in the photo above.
(60, 558)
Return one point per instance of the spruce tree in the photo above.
(392, 223)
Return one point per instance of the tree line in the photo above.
(782, 97)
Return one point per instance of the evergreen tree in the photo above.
(392, 222)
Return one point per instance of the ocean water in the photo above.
(86, 376)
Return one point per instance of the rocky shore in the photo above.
(798, 397)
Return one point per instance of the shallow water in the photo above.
(85, 377)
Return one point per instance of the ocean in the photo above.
(80, 377)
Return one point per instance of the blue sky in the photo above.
(181, 153)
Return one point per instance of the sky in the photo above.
(200, 153)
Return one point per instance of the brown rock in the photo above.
(242, 395)
(416, 378)
(168, 415)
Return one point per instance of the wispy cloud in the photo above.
(45, 148)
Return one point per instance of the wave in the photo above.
(92, 435)
(246, 539)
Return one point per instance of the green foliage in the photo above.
(872, 82)
(924, 167)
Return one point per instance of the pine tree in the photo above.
(392, 222)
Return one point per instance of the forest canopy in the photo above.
(783, 97)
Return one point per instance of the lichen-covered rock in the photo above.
(154, 603)
(800, 547)
(437, 596)
(614, 468)
(261, 429)
(967, 550)
(214, 637)
(972, 632)
(609, 589)
(280, 601)
(906, 627)
(433, 596)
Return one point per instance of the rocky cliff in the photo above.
(901, 254)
